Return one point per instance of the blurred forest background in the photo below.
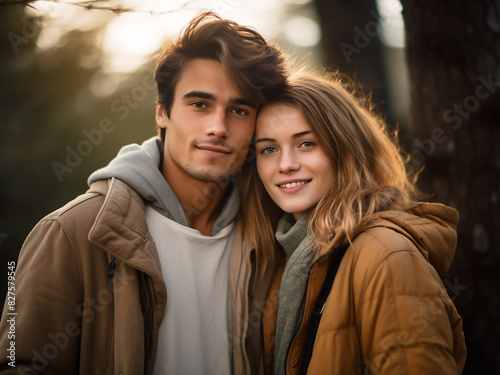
(69, 100)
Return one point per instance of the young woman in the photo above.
(332, 180)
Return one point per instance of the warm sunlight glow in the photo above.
(55, 20)
(129, 40)
(392, 31)
(297, 2)
(303, 31)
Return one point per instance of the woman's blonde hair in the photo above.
(369, 169)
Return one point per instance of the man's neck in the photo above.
(201, 201)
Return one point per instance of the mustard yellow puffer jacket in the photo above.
(388, 311)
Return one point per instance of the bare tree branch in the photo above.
(94, 5)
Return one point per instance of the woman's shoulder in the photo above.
(382, 258)
(380, 242)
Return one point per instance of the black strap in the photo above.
(318, 309)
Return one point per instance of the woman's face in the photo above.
(294, 169)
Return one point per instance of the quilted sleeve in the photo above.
(408, 323)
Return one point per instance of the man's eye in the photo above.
(240, 111)
(198, 104)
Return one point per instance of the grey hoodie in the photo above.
(138, 166)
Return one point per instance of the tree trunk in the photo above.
(453, 52)
(350, 43)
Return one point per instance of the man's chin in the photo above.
(219, 177)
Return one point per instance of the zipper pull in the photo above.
(111, 269)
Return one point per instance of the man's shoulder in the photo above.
(112, 195)
(83, 208)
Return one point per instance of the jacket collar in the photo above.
(120, 227)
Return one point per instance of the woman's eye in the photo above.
(307, 144)
(268, 150)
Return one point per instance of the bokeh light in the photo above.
(392, 32)
(303, 31)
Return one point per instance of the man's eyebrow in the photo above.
(242, 101)
(199, 94)
(296, 135)
(209, 96)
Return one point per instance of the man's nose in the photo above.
(218, 125)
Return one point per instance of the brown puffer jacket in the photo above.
(72, 317)
(388, 311)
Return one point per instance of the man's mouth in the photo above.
(214, 149)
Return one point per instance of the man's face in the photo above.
(210, 125)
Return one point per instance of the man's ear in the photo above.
(161, 116)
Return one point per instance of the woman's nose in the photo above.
(288, 162)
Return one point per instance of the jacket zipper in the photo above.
(111, 269)
(314, 265)
(294, 335)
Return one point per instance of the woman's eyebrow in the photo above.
(296, 135)
(265, 140)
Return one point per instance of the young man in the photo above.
(147, 272)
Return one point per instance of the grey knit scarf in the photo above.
(300, 252)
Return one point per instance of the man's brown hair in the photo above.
(256, 66)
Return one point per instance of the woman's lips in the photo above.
(294, 186)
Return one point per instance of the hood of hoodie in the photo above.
(432, 227)
(138, 167)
